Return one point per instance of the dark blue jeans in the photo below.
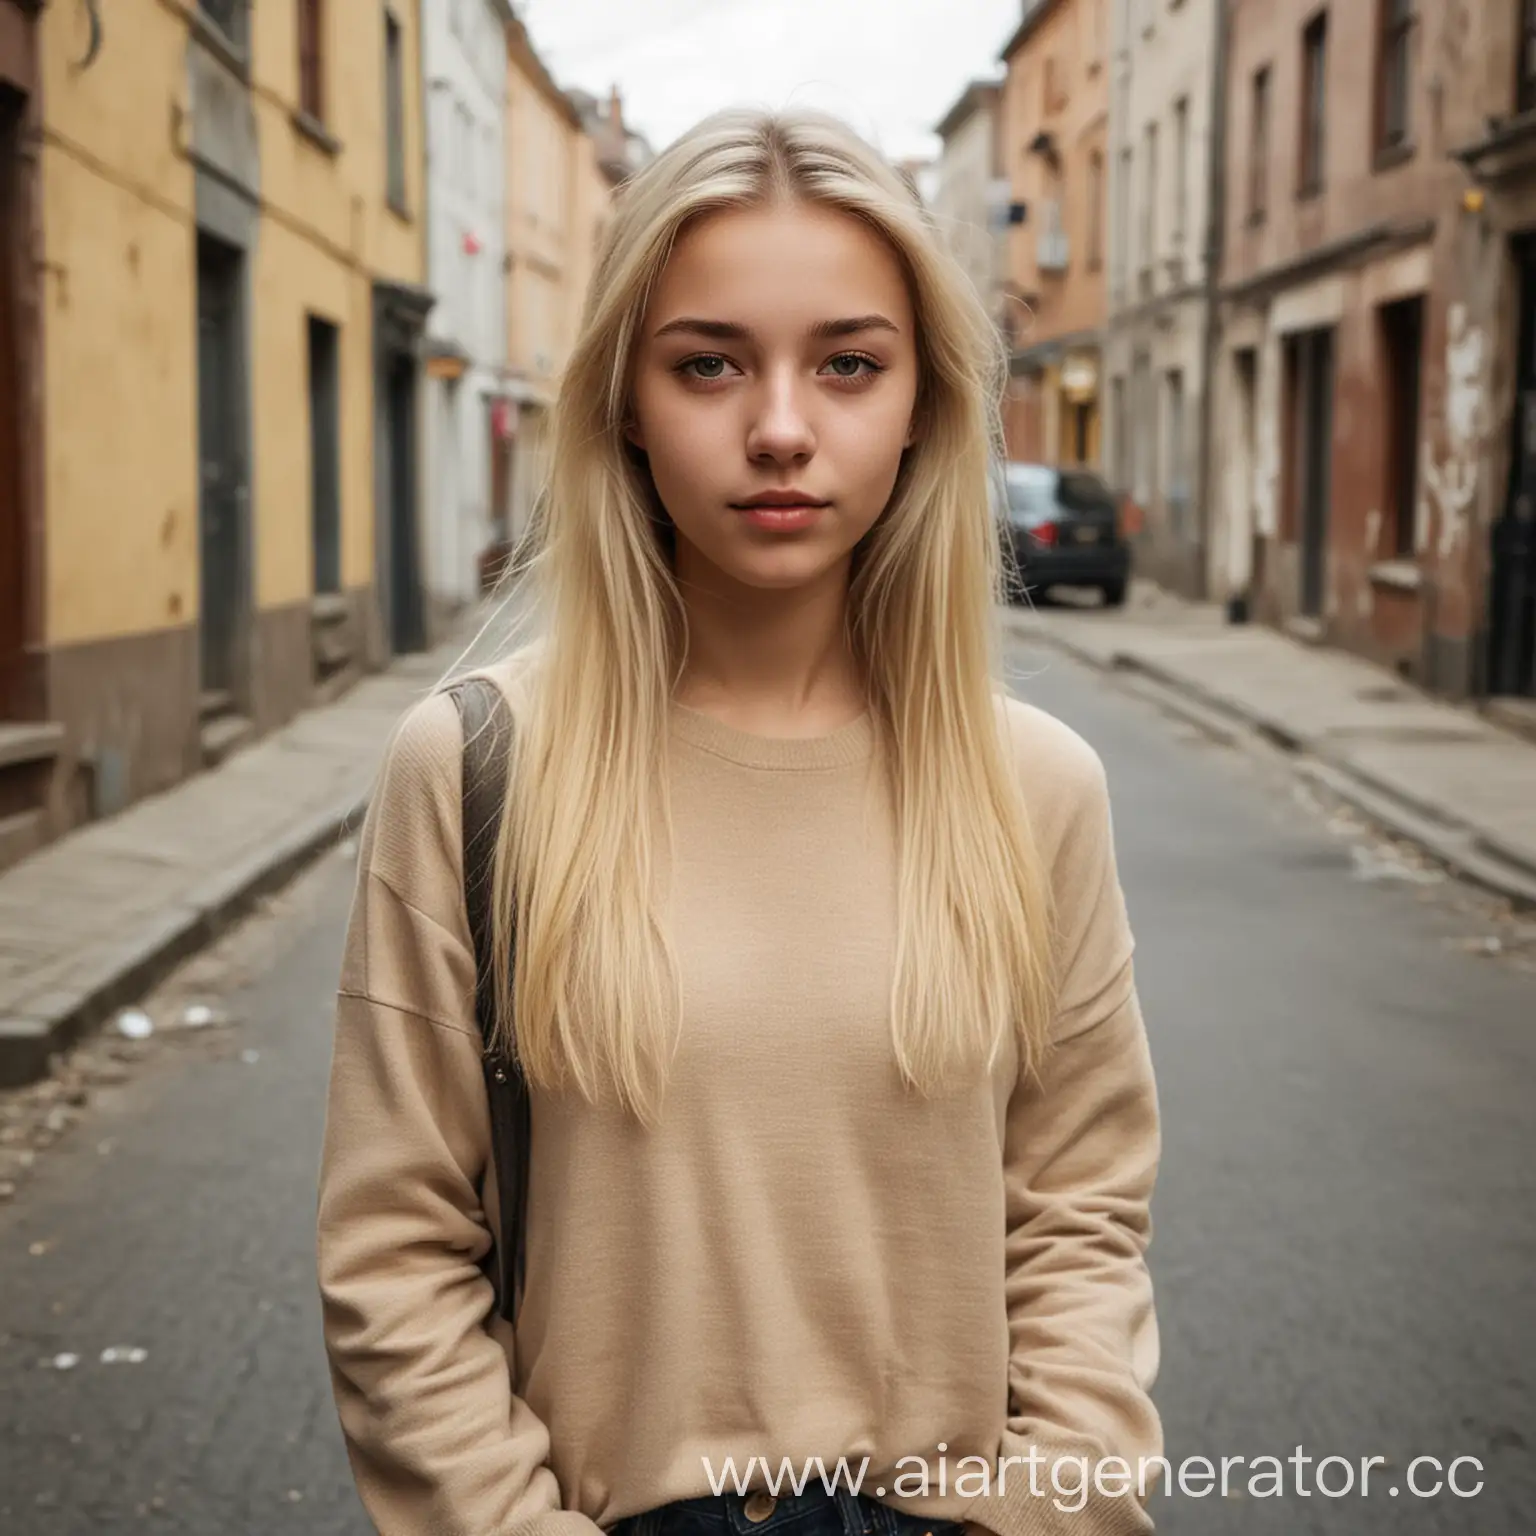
(812, 1513)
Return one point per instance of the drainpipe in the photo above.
(1215, 242)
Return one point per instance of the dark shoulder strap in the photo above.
(487, 727)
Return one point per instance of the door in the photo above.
(13, 550)
(1244, 551)
(1314, 353)
(223, 491)
(325, 453)
(405, 607)
(1512, 585)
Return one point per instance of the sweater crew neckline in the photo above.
(847, 745)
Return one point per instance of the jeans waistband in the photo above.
(754, 1514)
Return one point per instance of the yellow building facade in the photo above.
(226, 265)
(543, 134)
(560, 179)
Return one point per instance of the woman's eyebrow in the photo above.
(728, 330)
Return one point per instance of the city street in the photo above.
(1346, 1223)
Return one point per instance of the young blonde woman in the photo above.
(843, 1123)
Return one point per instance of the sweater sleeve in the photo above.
(1081, 1153)
(437, 1440)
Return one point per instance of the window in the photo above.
(394, 112)
(1143, 407)
(1051, 243)
(1526, 92)
(1394, 75)
(312, 58)
(1122, 431)
(1314, 104)
(1175, 491)
(1124, 181)
(228, 16)
(1258, 148)
(1402, 335)
(325, 452)
(1095, 211)
(1180, 171)
(1052, 86)
(1149, 211)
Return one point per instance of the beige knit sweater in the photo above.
(804, 1261)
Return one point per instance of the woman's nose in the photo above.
(781, 427)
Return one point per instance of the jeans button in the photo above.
(759, 1506)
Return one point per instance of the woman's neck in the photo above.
(773, 661)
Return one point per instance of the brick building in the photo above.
(1353, 378)
(1489, 441)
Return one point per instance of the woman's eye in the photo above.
(852, 366)
(858, 362)
(711, 366)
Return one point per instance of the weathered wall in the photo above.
(1385, 226)
(464, 47)
(1066, 44)
(327, 233)
(120, 402)
(1161, 57)
(961, 203)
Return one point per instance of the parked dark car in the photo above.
(1064, 527)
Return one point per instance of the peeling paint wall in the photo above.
(1450, 475)
(1374, 235)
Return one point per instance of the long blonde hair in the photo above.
(594, 990)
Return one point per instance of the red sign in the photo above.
(471, 243)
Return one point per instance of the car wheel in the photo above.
(1114, 594)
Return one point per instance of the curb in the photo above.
(1459, 848)
(56, 1020)
(1471, 853)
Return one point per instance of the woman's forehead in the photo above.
(781, 267)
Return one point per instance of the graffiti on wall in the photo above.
(1450, 481)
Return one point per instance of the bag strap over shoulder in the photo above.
(486, 719)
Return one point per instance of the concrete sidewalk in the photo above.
(90, 922)
(1440, 775)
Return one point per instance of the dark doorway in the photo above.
(1512, 609)
(325, 453)
(1310, 360)
(397, 537)
(406, 629)
(399, 317)
(1402, 335)
(1082, 423)
(13, 528)
(224, 487)
(1245, 522)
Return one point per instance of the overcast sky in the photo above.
(891, 67)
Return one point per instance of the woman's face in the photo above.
(777, 355)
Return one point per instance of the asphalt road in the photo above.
(1346, 1229)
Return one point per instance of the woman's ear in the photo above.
(634, 434)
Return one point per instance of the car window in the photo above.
(1031, 494)
(1079, 491)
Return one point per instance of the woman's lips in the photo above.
(783, 519)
